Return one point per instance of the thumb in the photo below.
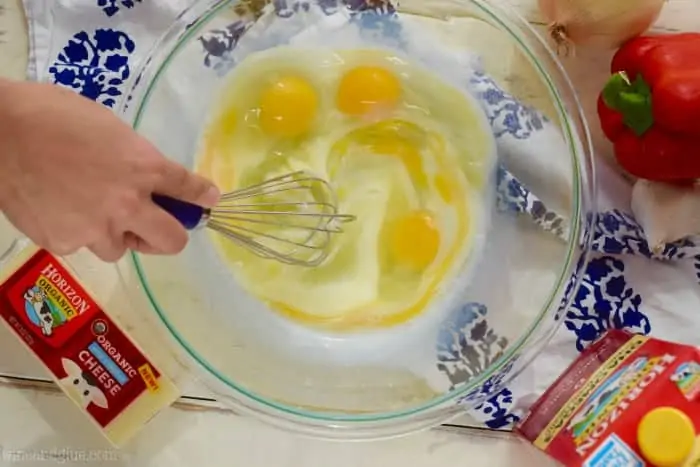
(178, 182)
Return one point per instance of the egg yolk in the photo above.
(367, 89)
(415, 240)
(288, 107)
(444, 187)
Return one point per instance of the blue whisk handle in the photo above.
(188, 214)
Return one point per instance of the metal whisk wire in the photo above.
(290, 218)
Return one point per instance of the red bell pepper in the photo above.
(650, 108)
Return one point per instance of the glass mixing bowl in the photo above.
(426, 371)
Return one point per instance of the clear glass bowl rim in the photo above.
(183, 30)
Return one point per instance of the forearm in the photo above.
(11, 95)
(8, 97)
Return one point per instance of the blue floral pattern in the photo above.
(112, 7)
(618, 233)
(513, 196)
(496, 412)
(95, 65)
(507, 115)
(376, 16)
(289, 8)
(467, 345)
(605, 301)
(491, 387)
(219, 43)
(377, 19)
(568, 291)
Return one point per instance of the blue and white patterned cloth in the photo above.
(94, 47)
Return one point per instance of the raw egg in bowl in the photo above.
(433, 297)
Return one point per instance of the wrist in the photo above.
(6, 88)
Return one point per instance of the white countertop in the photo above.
(39, 427)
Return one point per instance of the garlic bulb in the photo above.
(602, 23)
(667, 213)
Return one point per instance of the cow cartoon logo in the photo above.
(40, 311)
(685, 372)
(81, 386)
(687, 378)
(605, 394)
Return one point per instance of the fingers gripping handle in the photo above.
(188, 214)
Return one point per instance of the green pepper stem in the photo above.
(632, 99)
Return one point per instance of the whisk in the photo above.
(290, 218)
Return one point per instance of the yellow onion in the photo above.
(600, 23)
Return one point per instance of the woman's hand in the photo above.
(73, 175)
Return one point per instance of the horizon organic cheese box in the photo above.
(101, 369)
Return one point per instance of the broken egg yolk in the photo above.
(407, 153)
(288, 107)
(368, 89)
(414, 240)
